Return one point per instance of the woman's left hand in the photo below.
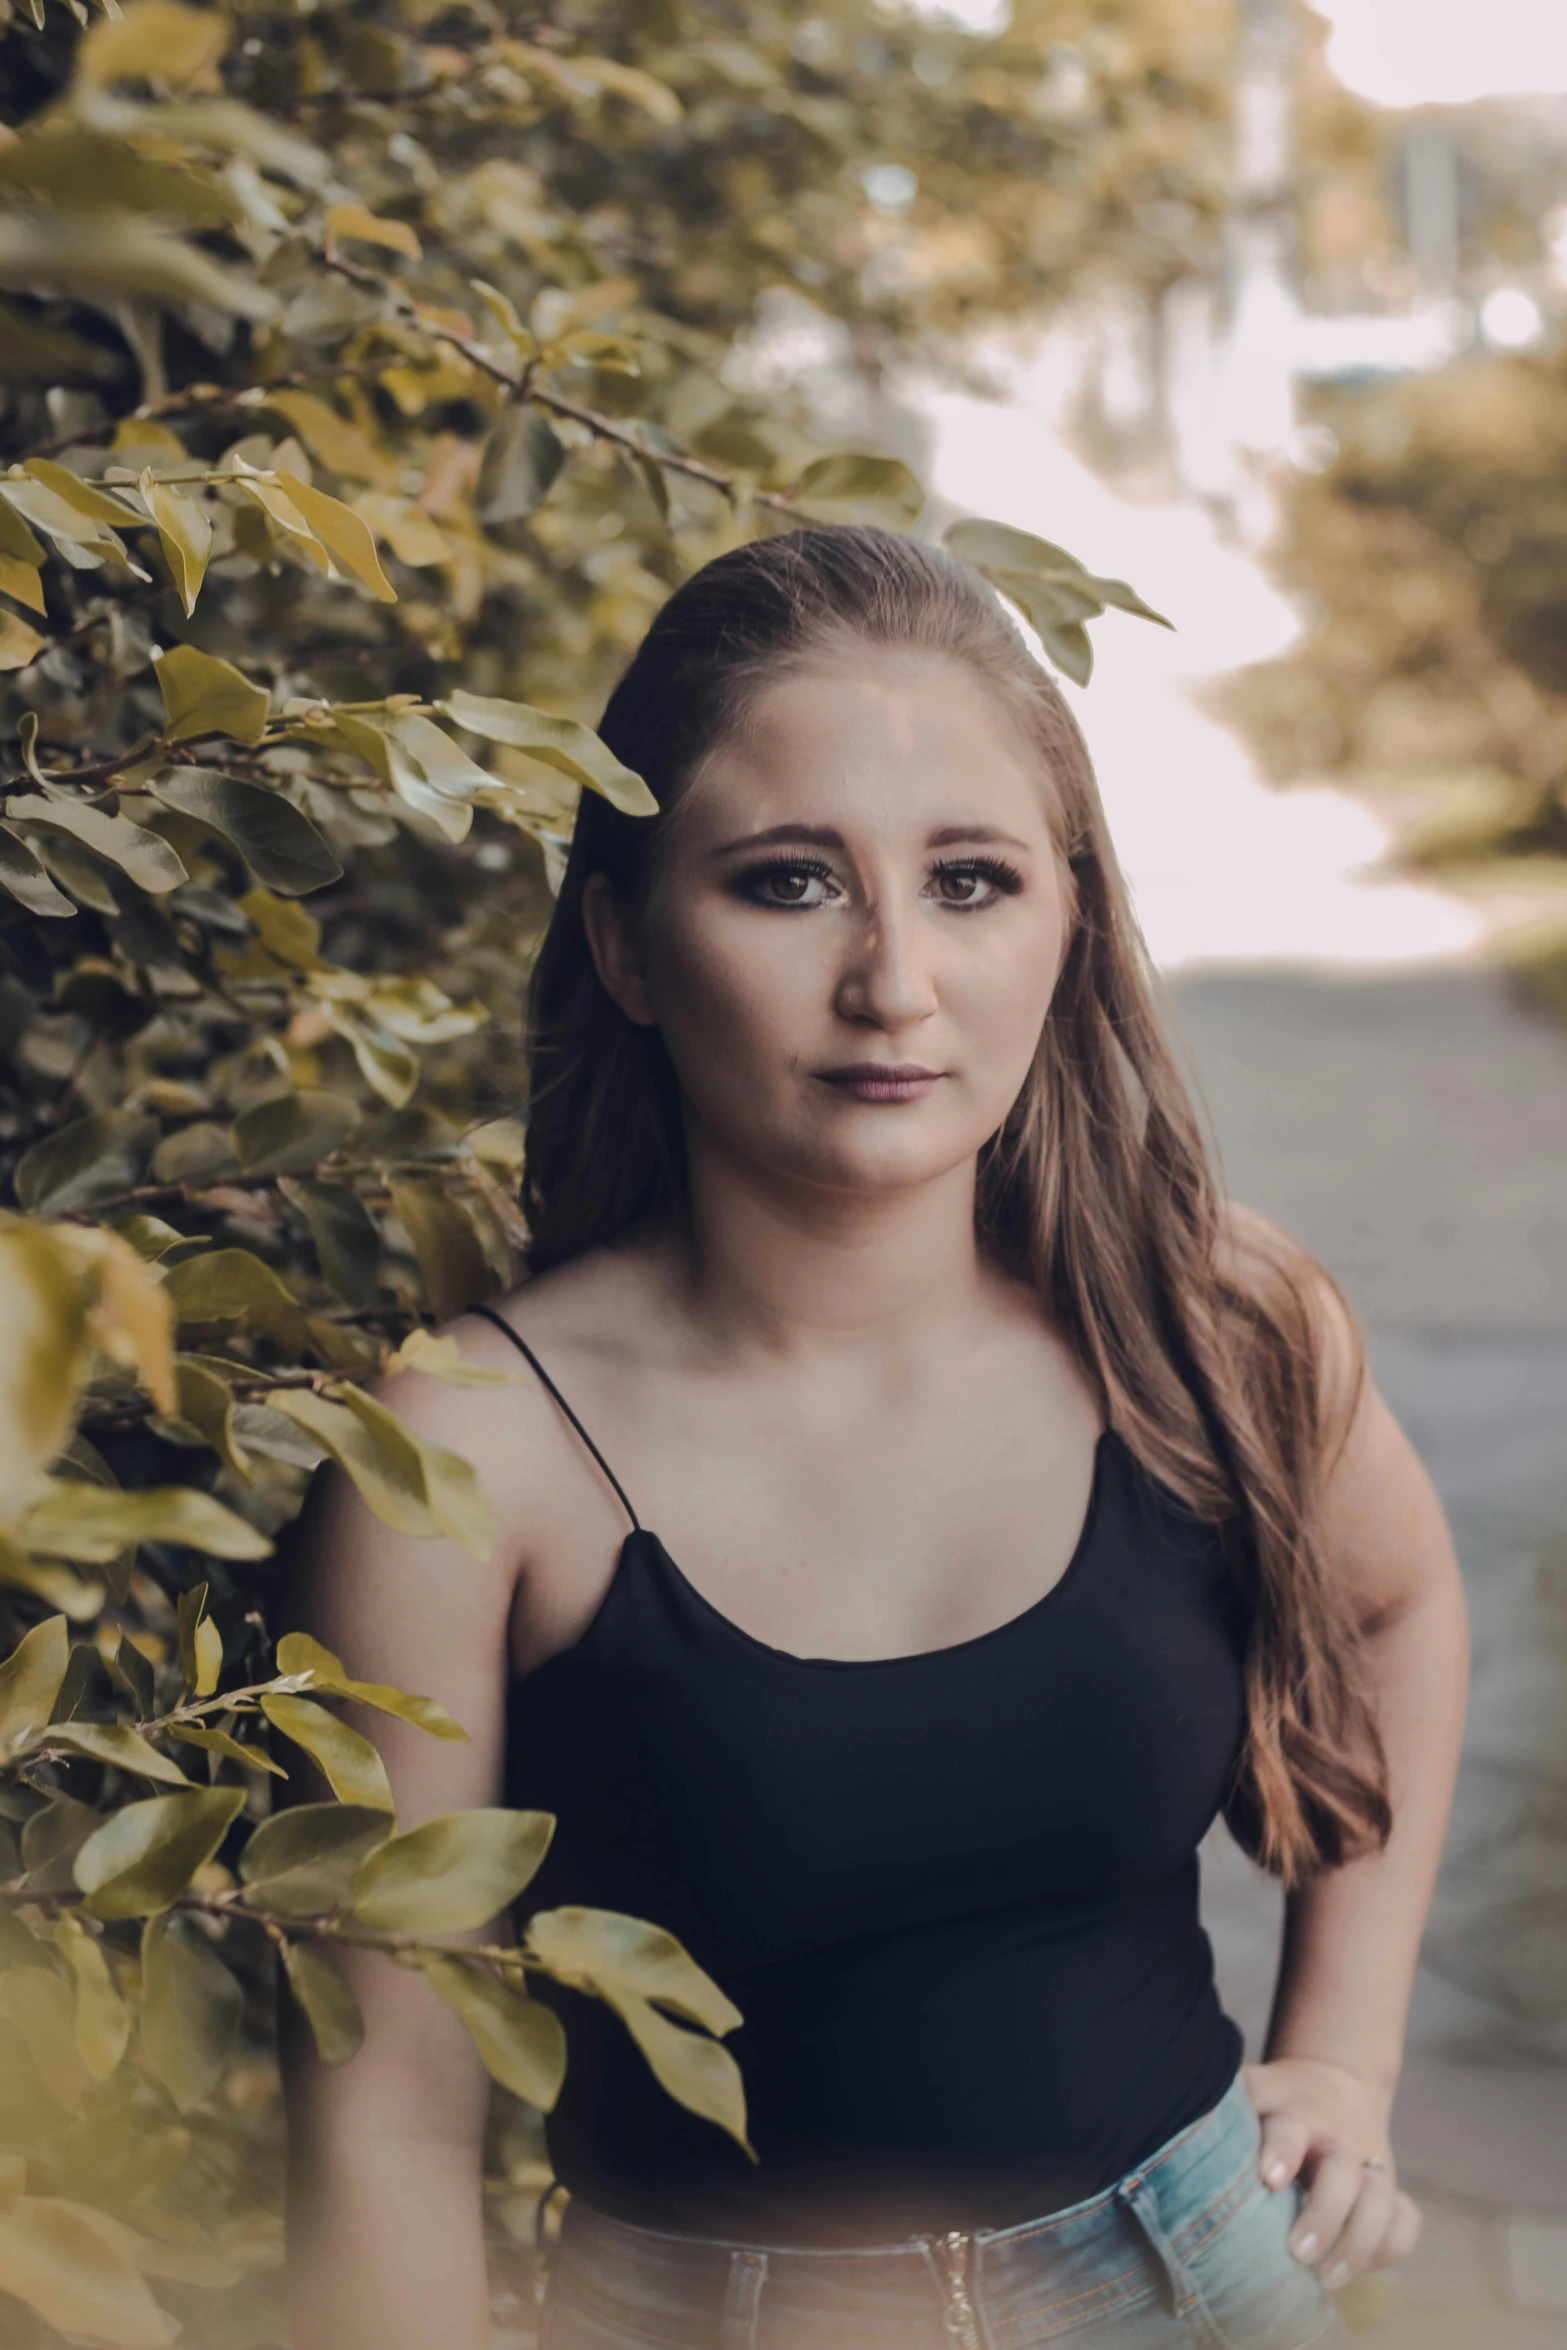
(1325, 2126)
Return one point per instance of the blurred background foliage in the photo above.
(368, 374)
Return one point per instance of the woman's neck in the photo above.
(792, 1267)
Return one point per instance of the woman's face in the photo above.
(855, 929)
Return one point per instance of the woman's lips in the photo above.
(880, 1081)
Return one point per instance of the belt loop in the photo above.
(1140, 2200)
(743, 2300)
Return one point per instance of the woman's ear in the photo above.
(615, 948)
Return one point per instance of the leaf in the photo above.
(346, 535)
(451, 1873)
(90, 1159)
(331, 437)
(356, 220)
(190, 2009)
(51, 1840)
(204, 695)
(442, 1358)
(298, 1653)
(103, 2024)
(621, 1957)
(1048, 603)
(997, 546)
(293, 1132)
(560, 743)
(93, 1522)
(209, 1657)
(19, 644)
(206, 1405)
(56, 2260)
(143, 1858)
(452, 1491)
(113, 1743)
(522, 460)
(219, 1742)
(44, 2012)
(852, 488)
(278, 842)
(328, 1999)
(384, 1063)
(24, 878)
(1071, 649)
(631, 1966)
(20, 578)
(521, 2043)
(232, 1285)
(30, 1679)
(145, 856)
(302, 1862)
(452, 1263)
(347, 1242)
(185, 532)
(350, 1764)
(153, 39)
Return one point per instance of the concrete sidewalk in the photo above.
(1412, 1128)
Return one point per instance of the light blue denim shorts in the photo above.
(1187, 2252)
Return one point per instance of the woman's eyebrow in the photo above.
(810, 836)
(987, 835)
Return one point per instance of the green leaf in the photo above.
(384, 1062)
(345, 535)
(219, 1742)
(302, 1862)
(103, 2024)
(522, 458)
(56, 2259)
(414, 1485)
(298, 1653)
(30, 1680)
(95, 1522)
(26, 880)
(206, 1405)
(190, 2009)
(451, 1488)
(632, 1966)
(204, 695)
(185, 532)
(51, 1840)
(232, 1285)
(1071, 649)
(351, 1766)
(143, 1858)
(328, 1999)
(209, 1657)
(996, 545)
(277, 840)
(125, 1749)
(561, 743)
(145, 857)
(855, 488)
(347, 1241)
(599, 1950)
(294, 1131)
(520, 2043)
(1048, 603)
(452, 1263)
(89, 1160)
(451, 1873)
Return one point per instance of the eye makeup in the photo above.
(802, 882)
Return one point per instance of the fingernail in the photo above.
(1337, 2275)
(1304, 2248)
(1275, 2174)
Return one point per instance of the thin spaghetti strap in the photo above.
(524, 1349)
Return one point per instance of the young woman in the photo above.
(1020, 1506)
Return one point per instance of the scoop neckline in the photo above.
(868, 1664)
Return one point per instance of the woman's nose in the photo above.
(886, 979)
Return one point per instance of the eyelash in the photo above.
(1005, 878)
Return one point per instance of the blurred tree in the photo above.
(367, 377)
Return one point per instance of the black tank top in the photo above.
(954, 1895)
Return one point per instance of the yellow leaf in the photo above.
(356, 220)
(56, 2260)
(145, 1854)
(20, 579)
(44, 2012)
(84, 497)
(19, 644)
(30, 1680)
(103, 2026)
(442, 1358)
(185, 532)
(413, 538)
(333, 438)
(93, 1523)
(561, 743)
(190, 2008)
(521, 2043)
(298, 1653)
(451, 1487)
(206, 695)
(209, 1657)
(328, 1999)
(451, 1874)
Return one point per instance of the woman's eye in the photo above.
(972, 886)
(790, 885)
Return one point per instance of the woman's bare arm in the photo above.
(1352, 1936)
(385, 2231)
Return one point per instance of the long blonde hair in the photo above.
(1202, 1332)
